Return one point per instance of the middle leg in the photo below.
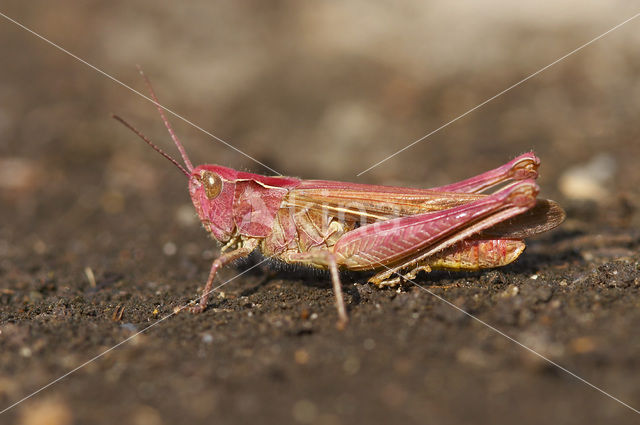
(322, 257)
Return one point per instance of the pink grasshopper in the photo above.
(395, 231)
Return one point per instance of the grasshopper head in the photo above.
(211, 187)
(212, 191)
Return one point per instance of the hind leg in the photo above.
(520, 168)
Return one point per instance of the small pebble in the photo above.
(301, 356)
(146, 415)
(50, 412)
(18, 174)
(39, 247)
(369, 344)
(393, 395)
(589, 181)
(305, 314)
(304, 411)
(169, 249)
(351, 365)
(186, 215)
(129, 327)
(511, 291)
(583, 345)
(90, 276)
(112, 201)
(472, 357)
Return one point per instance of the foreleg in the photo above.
(217, 264)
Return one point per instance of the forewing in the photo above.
(369, 203)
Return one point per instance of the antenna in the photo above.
(160, 108)
(150, 143)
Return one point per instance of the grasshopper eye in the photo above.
(212, 184)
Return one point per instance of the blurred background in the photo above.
(327, 90)
(312, 89)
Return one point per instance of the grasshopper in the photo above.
(394, 231)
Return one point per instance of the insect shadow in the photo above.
(271, 269)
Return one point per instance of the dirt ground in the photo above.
(98, 239)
